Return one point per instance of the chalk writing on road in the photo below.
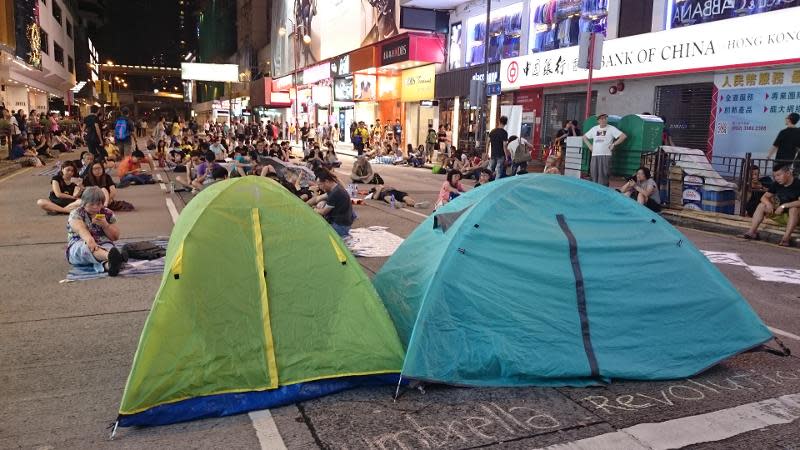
(489, 423)
(690, 390)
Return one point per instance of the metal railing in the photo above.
(735, 170)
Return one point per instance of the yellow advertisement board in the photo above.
(418, 83)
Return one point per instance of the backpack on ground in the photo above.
(143, 250)
(121, 129)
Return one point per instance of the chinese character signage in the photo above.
(751, 107)
(692, 12)
(744, 42)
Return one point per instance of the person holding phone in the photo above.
(91, 232)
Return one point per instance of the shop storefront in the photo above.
(408, 68)
(673, 73)
(265, 104)
(315, 94)
(452, 90)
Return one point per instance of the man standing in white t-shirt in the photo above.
(604, 139)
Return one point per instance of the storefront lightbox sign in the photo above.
(282, 84)
(743, 42)
(681, 13)
(454, 49)
(343, 89)
(340, 66)
(751, 108)
(418, 84)
(317, 73)
(395, 52)
(321, 95)
(364, 87)
(388, 87)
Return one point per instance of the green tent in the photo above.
(260, 304)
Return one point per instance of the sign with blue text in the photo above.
(751, 108)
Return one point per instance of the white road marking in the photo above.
(173, 211)
(710, 427)
(424, 216)
(784, 333)
(266, 430)
(161, 182)
(775, 274)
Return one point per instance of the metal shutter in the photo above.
(687, 109)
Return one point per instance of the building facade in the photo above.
(38, 69)
(723, 74)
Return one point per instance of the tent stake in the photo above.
(113, 431)
(397, 391)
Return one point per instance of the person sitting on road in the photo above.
(781, 203)
(42, 146)
(337, 209)
(451, 188)
(111, 150)
(416, 159)
(551, 165)
(331, 160)
(65, 194)
(91, 232)
(130, 170)
(25, 156)
(219, 150)
(84, 164)
(98, 177)
(758, 186)
(642, 188)
(386, 193)
(484, 177)
(362, 171)
(205, 173)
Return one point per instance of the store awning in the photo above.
(412, 50)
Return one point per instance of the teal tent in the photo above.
(548, 280)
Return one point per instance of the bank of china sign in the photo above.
(772, 37)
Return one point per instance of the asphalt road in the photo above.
(65, 352)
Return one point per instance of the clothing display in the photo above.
(504, 39)
(558, 23)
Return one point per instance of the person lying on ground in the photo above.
(98, 177)
(91, 232)
(362, 170)
(130, 170)
(65, 193)
(337, 209)
(781, 203)
(27, 157)
(451, 188)
(484, 177)
(642, 188)
(551, 165)
(385, 194)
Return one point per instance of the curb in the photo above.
(767, 235)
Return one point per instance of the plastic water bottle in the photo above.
(391, 201)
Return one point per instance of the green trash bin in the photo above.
(644, 136)
(588, 124)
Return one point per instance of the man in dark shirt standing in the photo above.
(92, 127)
(785, 191)
(304, 136)
(338, 210)
(498, 147)
(787, 145)
(398, 132)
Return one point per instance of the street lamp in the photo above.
(155, 91)
(296, 37)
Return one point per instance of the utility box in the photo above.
(692, 197)
(644, 136)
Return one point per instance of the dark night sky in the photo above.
(138, 30)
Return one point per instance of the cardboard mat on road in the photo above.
(132, 268)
